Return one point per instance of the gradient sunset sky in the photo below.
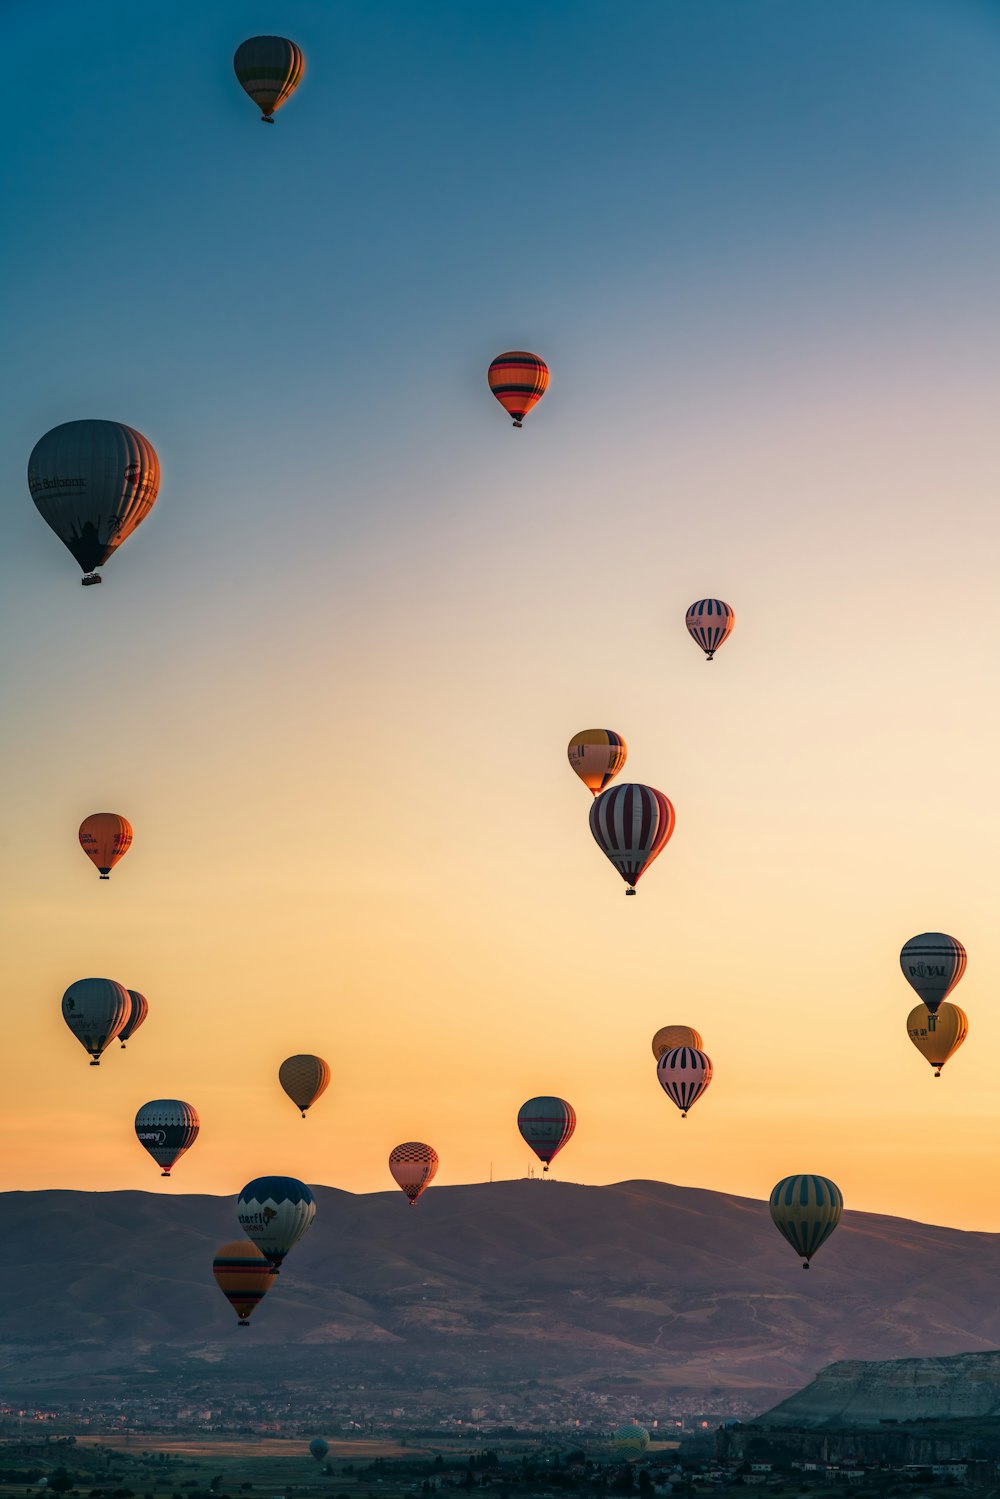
(332, 678)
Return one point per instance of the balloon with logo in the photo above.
(136, 1015)
(95, 1011)
(632, 825)
(631, 1440)
(93, 482)
(167, 1127)
(669, 1036)
(304, 1078)
(518, 380)
(269, 69)
(937, 1037)
(244, 1276)
(105, 837)
(597, 755)
(319, 1449)
(710, 624)
(684, 1073)
(806, 1210)
(275, 1211)
(933, 963)
(546, 1124)
(413, 1167)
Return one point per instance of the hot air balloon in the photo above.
(413, 1167)
(597, 755)
(304, 1078)
(269, 69)
(806, 1210)
(275, 1211)
(518, 380)
(669, 1036)
(105, 838)
(546, 1124)
(136, 1015)
(684, 1073)
(937, 1037)
(632, 824)
(243, 1275)
(933, 964)
(167, 1127)
(93, 482)
(631, 1440)
(319, 1449)
(710, 624)
(95, 1011)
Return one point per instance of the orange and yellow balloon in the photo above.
(670, 1036)
(105, 837)
(269, 69)
(597, 755)
(304, 1078)
(518, 380)
(243, 1275)
(937, 1037)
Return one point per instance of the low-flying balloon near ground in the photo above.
(269, 69)
(669, 1036)
(413, 1166)
(167, 1128)
(244, 1276)
(597, 755)
(93, 482)
(710, 624)
(632, 825)
(95, 1011)
(136, 1015)
(546, 1124)
(932, 964)
(806, 1210)
(274, 1212)
(304, 1078)
(631, 1440)
(518, 380)
(684, 1073)
(105, 837)
(937, 1037)
(320, 1449)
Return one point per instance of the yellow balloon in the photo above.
(304, 1078)
(669, 1036)
(597, 755)
(937, 1037)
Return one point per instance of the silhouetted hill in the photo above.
(673, 1288)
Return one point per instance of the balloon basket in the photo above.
(630, 890)
(95, 1062)
(90, 580)
(805, 1264)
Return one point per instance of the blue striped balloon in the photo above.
(806, 1210)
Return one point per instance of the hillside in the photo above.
(854, 1393)
(668, 1288)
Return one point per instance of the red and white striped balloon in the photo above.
(632, 824)
(684, 1073)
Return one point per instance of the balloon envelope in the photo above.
(95, 1011)
(243, 1275)
(105, 837)
(933, 963)
(304, 1078)
(269, 69)
(631, 1440)
(136, 1015)
(167, 1127)
(669, 1036)
(275, 1211)
(93, 482)
(684, 1073)
(319, 1449)
(710, 623)
(597, 755)
(806, 1210)
(632, 825)
(937, 1037)
(518, 380)
(546, 1124)
(413, 1167)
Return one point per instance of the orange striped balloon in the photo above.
(304, 1078)
(105, 837)
(243, 1275)
(518, 380)
(669, 1036)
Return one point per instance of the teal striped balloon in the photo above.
(806, 1210)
